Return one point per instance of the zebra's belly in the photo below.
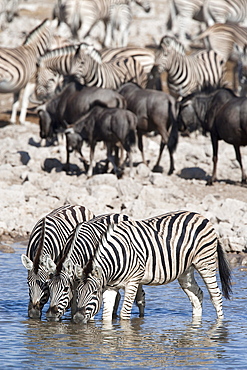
(158, 278)
(6, 87)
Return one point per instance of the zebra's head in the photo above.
(38, 287)
(47, 81)
(61, 287)
(168, 48)
(89, 296)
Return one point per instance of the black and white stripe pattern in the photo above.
(222, 11)
(48, 238)
(188, 73)
(87, 66)
(18, 66)
(153, 252)
(82, 15)
(80, 247)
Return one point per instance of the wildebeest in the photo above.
(224, 115)
(155, 111)
(110, 125)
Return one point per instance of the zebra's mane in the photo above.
(171, 42)
(91, 51)
(36, 261)
(34, 34)
(65, 50)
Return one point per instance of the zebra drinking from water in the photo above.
(154, 252)
(80, 247)
(85, 64)
(187, 73)
(48, 238)
(18, 66)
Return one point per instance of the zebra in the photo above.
(80, 247)
(85, 64)
(47, 239)
(83, 15)
(222, 11)
(182, 17)
(18, 66)
(155, 252)
(187, 73)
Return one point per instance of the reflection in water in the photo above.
(165, 338)
(132, 343)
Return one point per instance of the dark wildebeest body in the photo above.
(74, 101)
(155, 111)
(110, 125)
(224, 115)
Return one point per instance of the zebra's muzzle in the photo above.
(52, 314)
(34, 310)
(80, 316)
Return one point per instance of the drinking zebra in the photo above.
(82, 15)
(48, 238)
(80, 247)
(85, 64)
(18, 67)
(187, 73)
(222, 11)
(154, 252)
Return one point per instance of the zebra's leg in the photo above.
(129, 297)
(209, 277)
(29, 89)
(109, 300)
(140, 300)
(15, 107)
(190, 287)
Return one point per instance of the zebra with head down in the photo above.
(48, 238)
(153, 252)
(64, 276)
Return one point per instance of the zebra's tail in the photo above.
(225, 272)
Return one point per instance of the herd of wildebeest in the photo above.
(119, 116)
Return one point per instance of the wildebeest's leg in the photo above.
(140, 146)
(214, 140)
(112, 159)
(239, 159)
(91, 160)
(190, 287)
(162, 145)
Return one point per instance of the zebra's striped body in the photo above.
(80, 247)
(222, 11)
(224, 39)
(155, 251)
(86, 64)
(188, 73)
(18, 66)
(82, 15)
(48, 238)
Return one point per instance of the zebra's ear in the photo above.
(97, 272)
(78, 271)
(68, 266)
(49, 265)
(26, 262)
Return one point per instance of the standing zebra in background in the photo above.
(80, 247)
(222, 11)
(154, 252)
(229, 41)
(182, 18)
(48, 238)
(87, 67)
(82, 15)
(188, 73)
(18, 67)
